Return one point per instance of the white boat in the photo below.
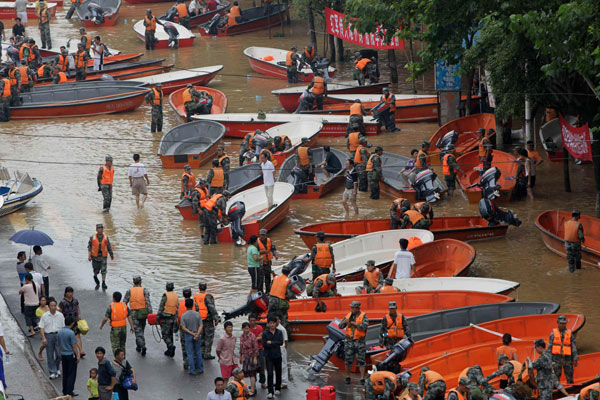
(186, 37)
(331, 86)
(366, 98)
(488, 285)
(551, 137)
(18, 191)
(195, 76)
(270, 61)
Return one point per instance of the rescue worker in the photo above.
(361, 156)
(27, 77)
(591, 392)
(155, 99)
(506, 348)
(573, 239)
(234, 16)
(188, 181)
(520, 178)
(373, 71)
(397, 209)
(167, 317)
(279, 297)
(118, 314)
(461, 392)
(58, 76)
(544, 377)
(44, 17)
(564, 350)
(267, 251)
(199, 197)
(45, 70)
(321, 255)
(216, 178)
(282, 143)
(324, 286)
(205, 303)
(413, 392)
(224, 162)
(305, 160)
(291, 62)
(104, 179)
(356, 324)
(247, 145)
(479, 387)
(309, 54)
(388, 286)
(425, 209)
(99, 249)
(35, 58)
(415, 220)
(216, 211)
(237, 387)
(5, 99)
(182, 13)
(14, 76)
(81, 58)
(190, 97)
(360, 68)
(382, 385)
(393, 327)
(432, 385)
(63, 59)
(505, 371)
(422, 162)
(449, 168)
(482, 147)
(373, 279)
(86, 40)
(375, 172)
(138, 298)
(389, 116)
(357, 112)
(150, 25)
(187, 294)
(353, 141)
(319, 88)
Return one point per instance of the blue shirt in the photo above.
(66, 340)
(105, 373)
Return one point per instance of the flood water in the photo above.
(157, 243)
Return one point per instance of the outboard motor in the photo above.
(300, 180)
(494, 215)
(97, 13)
(297, 287)
(446, 140)
(334, 344)
(235, 214)
(259, 141)
(425, 186)
(204, 105)
(398, 353)
(299, 264)
(306, 102)
(213, 25)
(490, 188)
(257, 303)
(13, 53)
(321, 64)
(170, 15)
(379, 110)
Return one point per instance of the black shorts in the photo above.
(531, 181)
(255, 275)
(450, 181)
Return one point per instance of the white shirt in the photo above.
(21, 5)
(38, 279)
(284, 333)
(137, 170)
(52, 323)
(40, 265)
(404, 261)
(268, 169)
(214, 396)
(98, 47)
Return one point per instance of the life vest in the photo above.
(203, 196)
(187, 96)
(182, 10)
(199, 299)
(40, 71)
(261, 247)
(22, 52)
(171, 304)
(356, 109)
(137, 300)
(395, 329)
(362, 64)
(561, 346)
(181, 309)
(157, 101)
(357, 334)
(370, 163)
(418, 163)
(325, 286)
(279, 287)
(413, 216)
(13, 78)
(310, 55)
(241, 386)
(431, 377)
(234, 12)
(218, 178)
(288, 59)
(389, 100)
(378, 381)
(446, 165)
(80, 60)
(584, 393)
(210, 203)
(96, 245)
(323, 257)
(389, 289)
(270, 157)
(150, 23)
(108, 174)
(482, 149)
(248, 138)
(528, 376)
(353, 141)
(457, 393)
(88, 41)
(63, 62)
(373, 277)
(319, 85)
(191, 181)
(507, 350)
(572, 231)
(43, 15)
(223, 157)
(303, 157)
(62, 77)
(118, 314)
(517, 368)
(357, 156)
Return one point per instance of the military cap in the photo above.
(386, 90)
(202, 285)
(187, 167)
(562, 319)
(108, 158)
(463, 381)
(355, 304)
(331, 278)
(371, 262)
(362, 139)
(98, 226)
(137, 279)
(170, 286)
(576, 213)
(540, 342)
(220, 147)
(425, 143)
(392, 304)
(389, 281)
(501, 357)
(237, 371)
(321, 235)
(262, 232)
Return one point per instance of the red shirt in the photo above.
(257, 331)
(211, 5)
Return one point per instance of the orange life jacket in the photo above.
(431, 377)
(182, 10)
(13, 78)
(187, 96)
(303, 157)
(418, 163)
(191, 182)
(23, 69)
(63, 62)
(43, 15)
(356, 109)
(203, 196)
(323, 257)
(584, 393)
(318, 86)
(224, 156)
(357, 334)
(279, 286)
(373, 277)
(96, 245)
(507, 350)
(210, 203)
(137, 300)
(248, 138)
(218, 179)
(270, 157)
(171, 304)
(150, 23)
(31, 56)
(395, 329)
(118, 314)
(181, 310)
(353, 141)
(414, 216)
(482, 149)
(561, 346)
(234, 12)
(357, 156)
(362, 64)
(528, 376)
(370, 163)
(268, 256)
(157, 101)
(325, 286)
(572, 231)
(389, 289)
(40, 71)
(108, 174)
(446, 165)
(241, 386)
(309, 55)
(517, 368)
(378, 381)
(62, 77)
(457, 393)
(288, 59)
(199, 299)
(80, 61)
(389, 99)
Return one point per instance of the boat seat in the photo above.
(4, 190)
(189, 147)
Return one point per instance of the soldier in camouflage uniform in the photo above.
(139, 312)
(155, 99)
(360, 167)
(479, 387)
(381, 385)
(15, 83)
(564, 349)
(118, 334)
(573, 239)
(168, 320)
(4, 102)
(236, 384)
(29, 86)
(505, 368)
(374, 172)
(545, 378)
(224, 162)
(247, 145)
(463, 389)
(44, 17)
(205, 303)
(431, 384)
(356, 324)
(391, 332)
(278, 300)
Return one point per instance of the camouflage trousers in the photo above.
(139, 325)
(352, 348)
(573, 255)
(118, 338)
(563, 362)
(422, 224)
(5, 109)
(373, 185)
(157, 119)
(106, 196)
(45, 35)
(207, 337)
(279, 308)
(167, 326)
(363, 182)
(436, 391)
(545, 391)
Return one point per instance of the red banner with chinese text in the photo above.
(335, 26)
(576, 140)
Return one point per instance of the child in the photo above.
(41, 310)
(92, 384)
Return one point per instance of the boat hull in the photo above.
(9, 12)
(10, 206)
(201, 19)
(109, 20)
(239, 129)
(278, 71)
(193, 144)
(202, 80)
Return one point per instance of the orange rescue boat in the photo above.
(194, 144)
(219, 105)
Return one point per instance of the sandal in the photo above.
(31, 334)
(251, 394)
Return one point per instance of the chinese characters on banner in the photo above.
(335, 26)
(576, 140)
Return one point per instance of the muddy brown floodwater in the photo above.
(157, 243)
